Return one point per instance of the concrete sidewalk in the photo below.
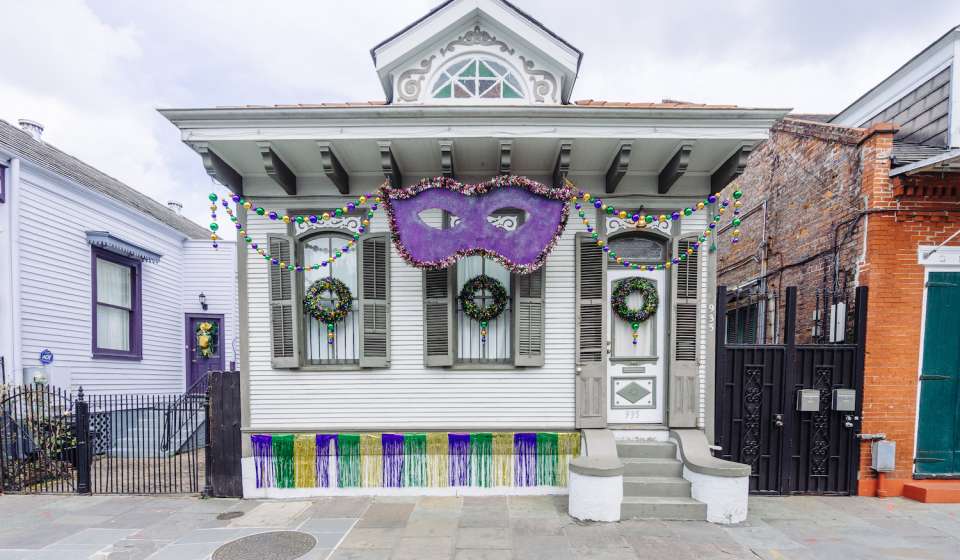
(535, 527)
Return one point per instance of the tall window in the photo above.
(116, 313)
(644, 248)
(473, 344)
(477, 77)
(345, 346)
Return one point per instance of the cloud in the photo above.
(94, 72)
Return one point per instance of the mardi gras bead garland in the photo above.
(618, 301)
(486, 313)
(313, 303)
(638, 220)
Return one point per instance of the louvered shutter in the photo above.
(591, 302)
(684, 383)
(528, 318)
(284, 311)
(438, 312)
(374, 281)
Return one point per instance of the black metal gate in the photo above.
(55, 441)
(757, 418)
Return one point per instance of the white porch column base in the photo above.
(726, 497)
(596, 488)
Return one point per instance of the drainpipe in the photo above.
(13, 362)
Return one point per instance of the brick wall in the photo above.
(828, 186)
(809, 175)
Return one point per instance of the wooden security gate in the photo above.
(757, 417)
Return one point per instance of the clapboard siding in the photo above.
(923, 114)
(408, 395)
(213, 272)
(56, 296)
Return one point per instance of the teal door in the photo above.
(938, 433)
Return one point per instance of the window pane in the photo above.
(345, 346)
(470, 346)
(639, 248)
(113, 328)
(114, 284)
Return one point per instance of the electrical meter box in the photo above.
(844, 400)
(808, 400)
(883, 455)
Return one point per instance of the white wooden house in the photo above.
(102, 284)
(473, 90)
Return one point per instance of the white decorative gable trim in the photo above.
(543, 65)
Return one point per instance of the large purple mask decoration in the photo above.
(522, 250)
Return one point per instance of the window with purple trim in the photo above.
(116, 306)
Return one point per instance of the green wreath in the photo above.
(622, 291)
(487, 312)
(313, 303)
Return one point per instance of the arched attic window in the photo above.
(476, 77)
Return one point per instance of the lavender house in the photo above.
(101, 284)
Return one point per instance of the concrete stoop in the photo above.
(653, 485)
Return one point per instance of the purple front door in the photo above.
(204, 345)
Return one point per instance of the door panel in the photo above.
(938, 436)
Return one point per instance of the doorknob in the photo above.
(778, 420)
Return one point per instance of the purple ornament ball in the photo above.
(675, 215)
(272, 215)
(313, 218)
(235, 198)
(597, 203)
(215, 245)
(712, 199)
(274, 261)
(253, 246)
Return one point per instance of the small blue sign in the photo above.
(46, 357)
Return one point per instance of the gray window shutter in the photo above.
(528, 318)
(684, 382)
(284, 311)
(374, 257)
(438, 317)
(591, 353)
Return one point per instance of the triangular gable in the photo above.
(486, 51)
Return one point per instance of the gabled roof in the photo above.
(44, 155)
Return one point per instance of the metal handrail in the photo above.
(199, 388)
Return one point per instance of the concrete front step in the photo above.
(656, 486)
(652, 467)
(647, 450)
(672, 509)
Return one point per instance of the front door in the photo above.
(204, 346)
(636, 357)
(938, 434)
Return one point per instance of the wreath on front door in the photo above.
(207, 339)
(618, 300)
(314, 307)
(483, 314)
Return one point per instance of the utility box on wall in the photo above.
(808, 400)
(883, 455)
(845, 400)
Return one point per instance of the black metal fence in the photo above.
(56, 441)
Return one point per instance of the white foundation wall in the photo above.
(55, 288)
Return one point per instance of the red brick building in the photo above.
(869, 198)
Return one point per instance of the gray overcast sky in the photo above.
(93, 72)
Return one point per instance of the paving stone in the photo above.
(360, 554)
(484, 519)
(130, 549)
(361, 537)
(174, 527)
(448, 504)
(102, 537)
(762, 536)
(37, 536)
(545, 548)
(602, 552)
(431, 526)
(597, 535)
(273, 514)
(542, 527)
(386, 515)
(532, 506)
(485, 502)
(423, 548)
(482, 554)
(341, 506)
(216, 535)
(328, 525)
(480, 538)
(195, 551)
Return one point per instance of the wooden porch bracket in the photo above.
(674, 169)
(562, 167)
(219, 169)
(619, 165)
(391, 170)
(446, 158)
(332, 168)
(506, 148)
(276, 169)
(730, 170)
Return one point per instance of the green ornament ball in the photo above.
(610, 210)
(338, 212)
(248, 239)
(356, 236)
(648, 218)
(635, 326)
(214, 226)
(330, 327)
(736, 222)
(687, 211)
(737, 194)
(213, 197)
(299, 219)
(260, 211)
(339, 254)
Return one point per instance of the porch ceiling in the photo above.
(625, 151)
